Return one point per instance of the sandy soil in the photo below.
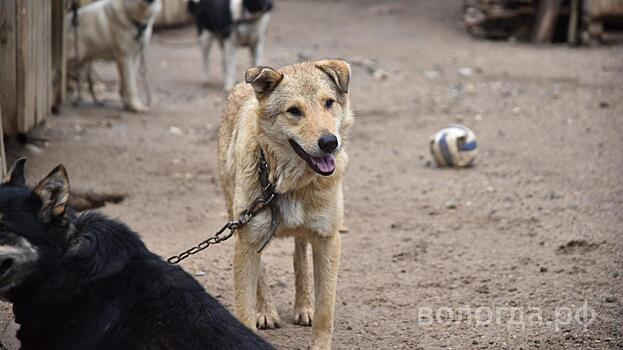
(534, 227)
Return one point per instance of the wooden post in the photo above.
(59, 66)
(545, 24)
(2, 154)
(574, 20)
(8, 61)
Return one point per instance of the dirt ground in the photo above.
(535, 227)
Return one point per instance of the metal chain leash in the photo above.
(230, 227)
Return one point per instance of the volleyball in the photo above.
(454, 146)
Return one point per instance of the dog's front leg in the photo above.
(229, 62)
(256, 53)
(206, 39)
(326, 253)
(128, 67)
(267, 316)
(303, 299)
(246, 272)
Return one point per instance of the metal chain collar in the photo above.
(258, 205)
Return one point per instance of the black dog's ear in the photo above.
(338, 71)
(15, 177)
(263, 79)
(54, 193)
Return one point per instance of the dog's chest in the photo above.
(296, 213)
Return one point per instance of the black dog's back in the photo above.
(216, 16)
(109, 292)
(212, 15)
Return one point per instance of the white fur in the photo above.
(23, 255)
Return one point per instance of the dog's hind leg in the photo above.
(326, 253)
(128, 67)
(256, 54)
(205, 40)
(257, 48)
(303, 299)
(267, 316)
(229, 63)
(246, 275)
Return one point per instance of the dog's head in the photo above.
(304, 109)
(33, 226)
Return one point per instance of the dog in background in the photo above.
(112, 30)
(298, 116)
(233, 23)
(88, 282)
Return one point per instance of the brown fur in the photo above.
(310, 205)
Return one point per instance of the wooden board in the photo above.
(25, 63)
(8, 57)
(59, 66)
(543, 31)
(2, 154)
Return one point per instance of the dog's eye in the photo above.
(295, 111)
(329, 103)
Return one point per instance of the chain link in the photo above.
(256, 207)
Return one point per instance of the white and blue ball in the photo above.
(454, 146)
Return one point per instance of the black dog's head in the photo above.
(33, 226)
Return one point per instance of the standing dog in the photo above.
(87, 282)
(298, 116)
(112, 30)
(234, 23)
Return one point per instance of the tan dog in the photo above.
(299, 116)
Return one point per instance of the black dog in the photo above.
(87, 282)
(233, 23)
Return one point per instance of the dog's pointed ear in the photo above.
(16, 177)
(338, 71)
(54, 193)
(263, 79)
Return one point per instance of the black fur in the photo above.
(96, 286)
(216, 17)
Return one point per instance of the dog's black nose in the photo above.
(327, 143)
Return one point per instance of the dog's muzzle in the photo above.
(324, 165)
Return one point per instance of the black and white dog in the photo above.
(233, 23)
(88, 282)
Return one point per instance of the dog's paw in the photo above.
(268, 320)
(137, 107)
(303, 316)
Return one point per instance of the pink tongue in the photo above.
(326, 164)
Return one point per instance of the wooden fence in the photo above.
(31, 61)
(2, 154)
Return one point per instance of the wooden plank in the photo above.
(25, 78)
(59, 67)
(44, 55)
(574, 22)
(545, 24)
(2, 154)
(8, 78)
